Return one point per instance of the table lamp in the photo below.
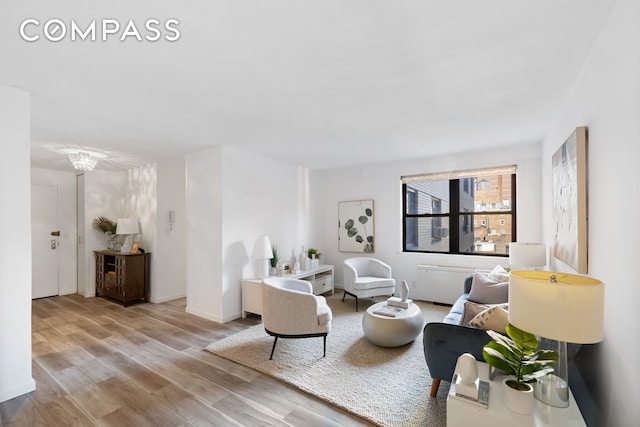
(127, 227)
(523, 254)
(558, 306)
(262, 254)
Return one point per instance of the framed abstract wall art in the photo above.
(569, 166)
(355, 226)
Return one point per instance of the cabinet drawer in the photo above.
(322, 284)
(109, 279)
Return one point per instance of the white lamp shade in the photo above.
(262, 248)
(570, 310)
(527, 254)
(127, 226)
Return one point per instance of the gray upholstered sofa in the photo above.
(445, 341)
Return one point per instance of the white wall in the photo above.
(204, 234)
(15, 247)
(606, 98)
(170, 254)
(234, 197)
(104, 195)
(67, 260)
(260, 196)
(382, 184)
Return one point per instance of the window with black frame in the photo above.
(465, 212)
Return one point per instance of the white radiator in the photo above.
(442, 284)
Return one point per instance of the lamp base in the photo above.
(552, 390)
(126, 246)
(262, 270)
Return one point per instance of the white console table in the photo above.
(321, 279)
(463, 413)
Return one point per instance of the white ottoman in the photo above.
(396, 331)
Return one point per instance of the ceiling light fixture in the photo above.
(83, 161)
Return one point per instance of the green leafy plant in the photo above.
(518, 355)
(274, 261)
(354, 232)
(312, 251)
(105, 225)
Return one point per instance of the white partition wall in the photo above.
(15, 247)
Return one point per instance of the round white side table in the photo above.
(396, 331)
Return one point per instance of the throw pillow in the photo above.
(494, 318)
(471, 310)
(499, 274)
(487, 291)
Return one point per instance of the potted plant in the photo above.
(108, 227)
(273, 261)
(518, 355)
(314, 256)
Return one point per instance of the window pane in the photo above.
(428, 197)
(486, 233)
(427, 234)
(492, 193)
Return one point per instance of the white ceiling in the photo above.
(321, 84)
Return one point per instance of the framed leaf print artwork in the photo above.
(355, 226)
(569, 165)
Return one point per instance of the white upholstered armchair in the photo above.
(290, 310)
(367, 277)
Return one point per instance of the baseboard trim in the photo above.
(18, 391)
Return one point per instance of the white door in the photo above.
(44, 240)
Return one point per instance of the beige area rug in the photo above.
(387, 386)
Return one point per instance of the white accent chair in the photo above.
(290, 310)
(367, 277)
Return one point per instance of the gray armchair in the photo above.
(290, 310)
(367, 277)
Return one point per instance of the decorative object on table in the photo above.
(302, 259)
(127, 227)
(398, 302)
(403, 300)
(108, 227)
(569, 165)
(355, 226)
(388, 310)
(314, 256)
(273, 262)
(404, 290)
(466, 383)
(518, 355)
(561, 307)
(527, 255)
(262, 253)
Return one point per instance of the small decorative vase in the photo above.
(302, 259)
(518, 401)
(315, 262)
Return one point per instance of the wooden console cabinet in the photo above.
(122, 276)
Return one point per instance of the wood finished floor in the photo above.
(98, 363)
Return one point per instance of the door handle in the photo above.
(55, 233)
(54, 244)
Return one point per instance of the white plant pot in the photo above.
(518, 401)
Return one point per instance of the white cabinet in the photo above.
(321, 279)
